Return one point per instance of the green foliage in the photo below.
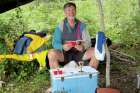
(129, 32)
(12, 26)
(122, 20)
(36, 84)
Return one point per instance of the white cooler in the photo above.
(71, 80)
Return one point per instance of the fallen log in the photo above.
(122, 56)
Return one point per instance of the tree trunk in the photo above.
(102, 28)
(139, 3)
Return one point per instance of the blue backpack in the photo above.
(23, 42)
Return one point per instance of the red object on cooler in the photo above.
(55, 72)
(60, 72)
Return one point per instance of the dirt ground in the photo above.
(123, 76)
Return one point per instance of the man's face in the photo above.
(70, 12)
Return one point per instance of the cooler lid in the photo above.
(72, 72)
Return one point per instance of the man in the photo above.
(71, 40)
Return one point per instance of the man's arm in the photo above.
(86, 37)
(57, 42)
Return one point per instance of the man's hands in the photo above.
(76, 44)
(79, 47)
(67, 47)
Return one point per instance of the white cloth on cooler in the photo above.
(71, 64)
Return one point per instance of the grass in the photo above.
(37, 84)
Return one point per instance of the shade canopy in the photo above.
(6, 5)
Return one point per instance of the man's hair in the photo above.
(70, 4)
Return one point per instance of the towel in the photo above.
(99, 46)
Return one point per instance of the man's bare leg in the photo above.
(55, 56)
(89, 55)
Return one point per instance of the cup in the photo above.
(60, 72)
(55, 72)
(81, 65)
